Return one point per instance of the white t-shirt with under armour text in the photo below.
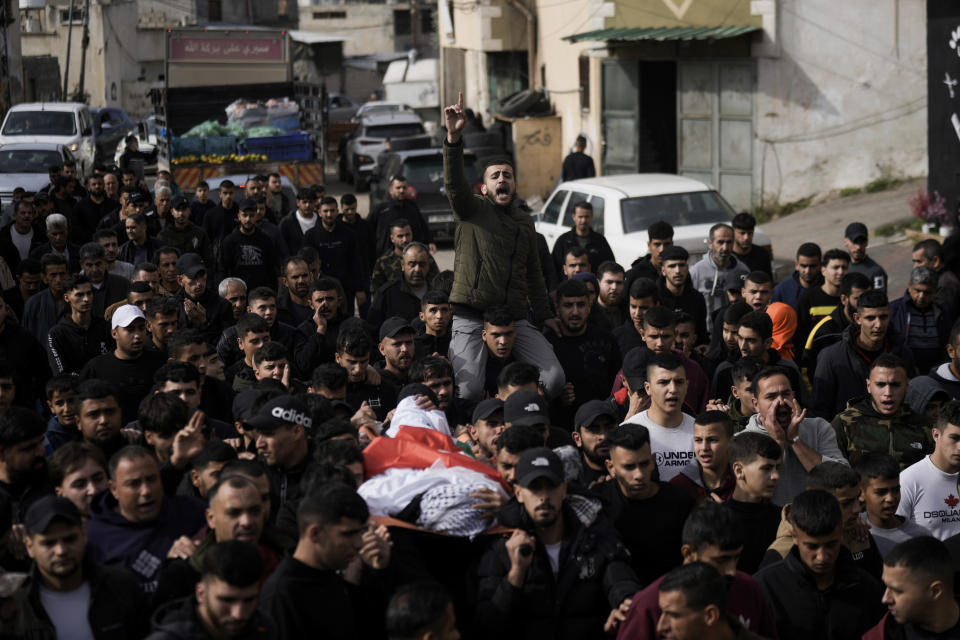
(672, 447)
(930, 497)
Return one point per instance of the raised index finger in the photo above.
(460, 100)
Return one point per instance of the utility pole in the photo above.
(66, 68)
(84, 42)
(4, 58)
(413, 23)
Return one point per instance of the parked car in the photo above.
(423, 169)
(368, 141)
(625, 205)
(379, 107)
(110, 126)
(66, 123)
(25, 164)
(340, 107)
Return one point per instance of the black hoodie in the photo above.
(178, 620)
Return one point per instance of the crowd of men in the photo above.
(689, 451)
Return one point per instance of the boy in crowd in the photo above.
(710, 476)
(62, 426)
(880, 492)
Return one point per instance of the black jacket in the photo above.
(594, 577)
(395, 298)
(843, 368)
(598, 250)
(86, 215)
(70, 347)
(31, 369)
(383, 216)
(219, 313)
(178, 620)
(292, 233)
(313, 349)
(128, 253)
(845, 610)
(118, 610)
(229, 351)
(577, 165)
(691, 301)
(628, 337)
(114, 289)
(340, 255)
(8, 250)
(73, 250)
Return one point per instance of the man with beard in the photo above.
(139, 247)
(582, 235)
(806, 274)
(221, 220)
(234, 291)
(517, 594)
(593, 421)
(237, 512)
(134, 525)
(223, 604)
(677, 291)
(497, 264)
(396, 347)
(293, 298)
(610, 313)
(397, 206)
(719, 270)
(843, 368)
(99, 419)
(130, 367)
(659, 238)
(67, 595)
(647, 513)
(29, 281)
(200, 306)
(486, 427)
(881, 422)
(23, 469)
(91, 209)
(81, 335)
(755, 257)
(589, 356)
(917, 317)
(57, 233)
(806, 442)
(247, 252)
(929, 253)
(107, 288)
(389, 266)
(436, 373)
(403, 297)
(293, 227)
(107, 238)
(830, 329)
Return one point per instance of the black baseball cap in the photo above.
(539, 463)
(49, 508)
(525, 407)
(190, 265)
(280, 411)
(244, 403)
(137, 198)
(248, 205)
(635, 367)
(856, 231)
(485, 408)
(394, 325)
(180, 202)
(591, 410)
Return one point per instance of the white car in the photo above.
(380, 107)
(625, 205)
(26, 164)
(66, 123)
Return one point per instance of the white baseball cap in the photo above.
(124, 315)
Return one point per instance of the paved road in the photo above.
(823, 224)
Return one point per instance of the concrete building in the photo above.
(374, 27)
(771, 101)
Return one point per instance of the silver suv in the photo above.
(369, 140)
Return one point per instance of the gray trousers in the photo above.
(468, 355)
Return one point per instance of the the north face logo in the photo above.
(952, 501)
(540, 462)
(289, 415)
(533, 406)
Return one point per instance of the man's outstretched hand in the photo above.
(454, 119)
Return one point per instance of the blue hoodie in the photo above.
(141, 547)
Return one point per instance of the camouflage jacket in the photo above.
(861, 429)
(739, 419)
(389, 267)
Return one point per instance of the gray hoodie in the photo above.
(817, 434)
(713, 282)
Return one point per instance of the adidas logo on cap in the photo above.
(292, 416)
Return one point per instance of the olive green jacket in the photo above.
(496, 263)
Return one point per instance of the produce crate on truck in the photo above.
(292, 146)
